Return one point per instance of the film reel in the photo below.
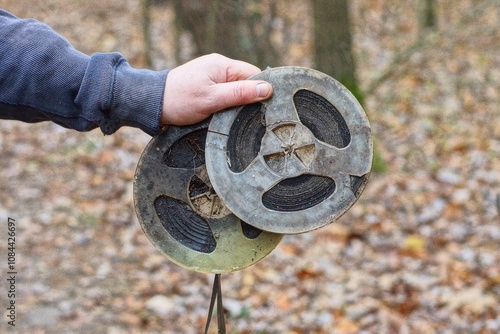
(182, 215)
(295, 162)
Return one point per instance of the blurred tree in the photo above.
(333, 53)
(429, 16)
(235, 28)
(146, 31)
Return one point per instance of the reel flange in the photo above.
(295, 162)
(182, 215)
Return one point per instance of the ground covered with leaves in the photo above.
(418, 253)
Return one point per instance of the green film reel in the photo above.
(182, 215)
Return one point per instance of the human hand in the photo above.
(208, 84)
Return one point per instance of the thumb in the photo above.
(237, 93)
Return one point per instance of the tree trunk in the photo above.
(429, 16)
(213, 25)
(146, 31)
(228, 27)
(333, 42)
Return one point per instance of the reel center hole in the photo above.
(288, 148)
(296, 150)
(205, 201)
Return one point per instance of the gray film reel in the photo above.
(295, 162)
(182, 215)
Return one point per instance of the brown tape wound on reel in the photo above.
(182, 215)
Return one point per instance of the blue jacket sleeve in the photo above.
(42, 77)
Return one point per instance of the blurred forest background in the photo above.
(418, 253)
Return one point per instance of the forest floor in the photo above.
(418, 253)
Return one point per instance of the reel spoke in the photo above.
(177, 189)
(256, 176)
(332, 160)
(280, 108)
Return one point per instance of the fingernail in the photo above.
(263, 89)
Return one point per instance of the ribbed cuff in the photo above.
(136, 99)
(113, 94)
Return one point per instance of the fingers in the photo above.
(236, 93)
(239, 70)
(221, 68)
(208, 84)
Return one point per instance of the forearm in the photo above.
(42, 77)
